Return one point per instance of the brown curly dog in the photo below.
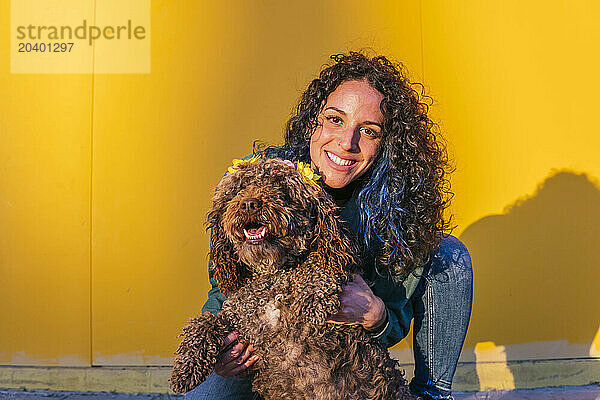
(281, 254)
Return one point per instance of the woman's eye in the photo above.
(369, 132)
(334, 119)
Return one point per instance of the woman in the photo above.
(362, 127)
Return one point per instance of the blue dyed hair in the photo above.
(381, 209)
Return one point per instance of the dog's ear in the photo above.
(332, 237)
(228, 270)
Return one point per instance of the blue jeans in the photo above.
(441, 309)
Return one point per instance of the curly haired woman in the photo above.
(362, 126)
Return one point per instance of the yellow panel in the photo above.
(517, 89)
(44, 214)
(222, 76)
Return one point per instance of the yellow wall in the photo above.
(517, 89)
(45, 144)
(106, 178)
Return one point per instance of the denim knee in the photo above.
(216, 387)
(450, 262)
(442, 308)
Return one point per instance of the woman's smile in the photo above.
(345, 142)
(339, 161)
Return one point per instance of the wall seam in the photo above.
(422, 47)
(91, 354)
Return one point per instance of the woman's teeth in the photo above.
(339, 161)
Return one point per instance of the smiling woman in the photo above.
(365, 130)
(346, 141)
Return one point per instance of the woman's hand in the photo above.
(359, 305)
(235, 357)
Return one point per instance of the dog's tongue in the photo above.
(255, 235)
(254, 231)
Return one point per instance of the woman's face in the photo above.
(345, 142)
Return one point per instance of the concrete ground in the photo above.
(591, 392)
(51, 394)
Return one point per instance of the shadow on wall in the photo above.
(537, 274)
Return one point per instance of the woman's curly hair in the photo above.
(406, 190)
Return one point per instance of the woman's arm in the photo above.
(359, 305)
(215, 300)
(386, 315)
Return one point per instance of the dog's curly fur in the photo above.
(281, 290)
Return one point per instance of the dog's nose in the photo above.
(251, 205)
